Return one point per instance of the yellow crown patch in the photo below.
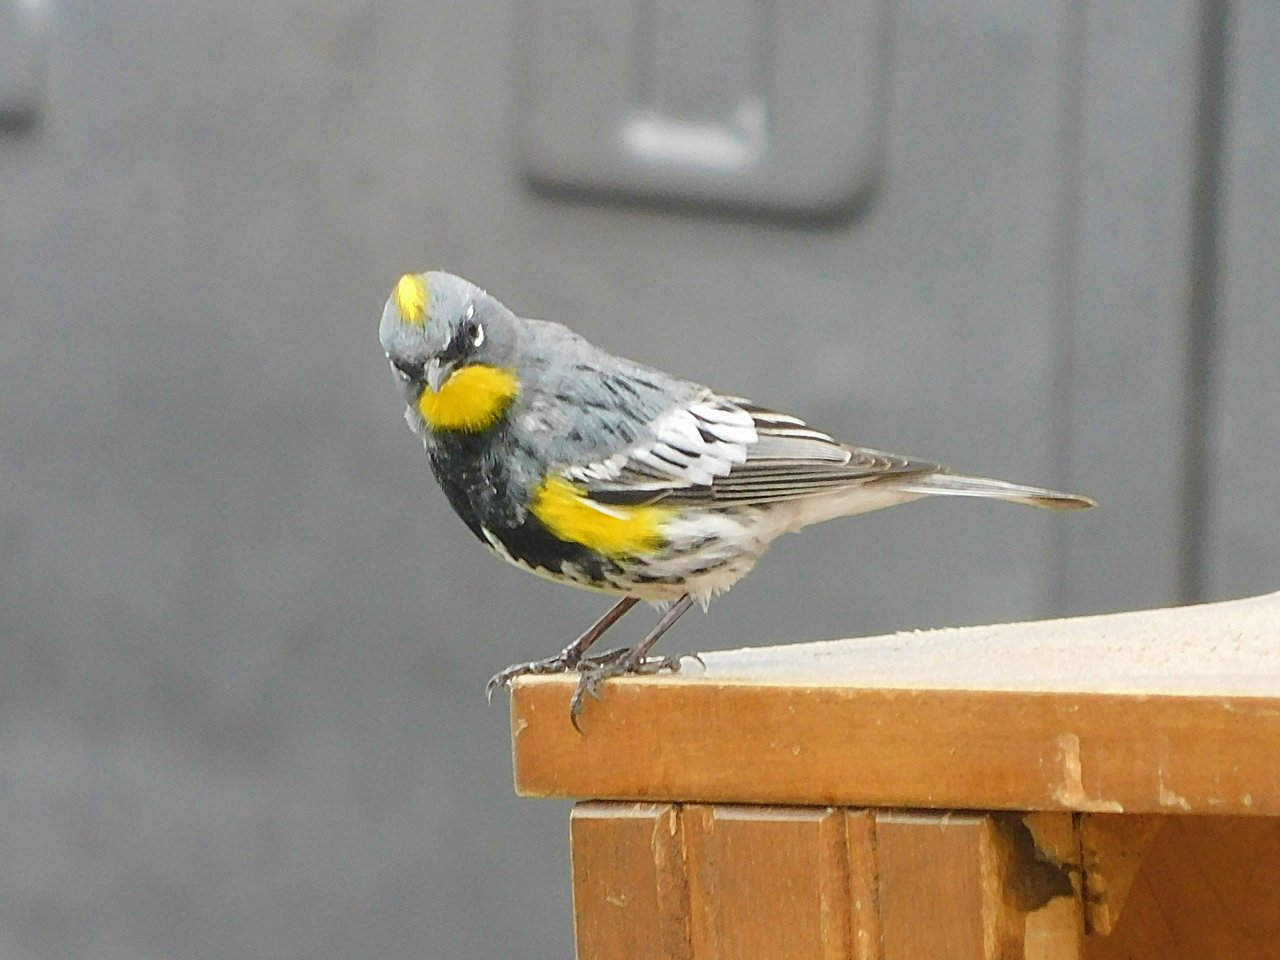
(411, 300)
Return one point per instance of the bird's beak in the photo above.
(438, 371)
(406, 370)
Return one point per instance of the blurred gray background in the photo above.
(244, 638)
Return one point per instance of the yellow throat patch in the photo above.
(471, 400)
(614, 531)
(411, 300)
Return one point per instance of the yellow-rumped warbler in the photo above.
(593, 470)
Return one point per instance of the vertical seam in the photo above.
(1066, 253)
(1203, 295)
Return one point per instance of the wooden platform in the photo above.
(841, 799)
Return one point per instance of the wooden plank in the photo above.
(667, 740)
(768, 882)
(1112, 847)
(977, 887)
(630, 901)
(937, 888)
(864, 885)
(705, 882)
(1041, 870)
(1194, 728)
(1207, 887)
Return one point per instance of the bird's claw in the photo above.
(618, 663)
(589, 685)
(671, 664)
(557, 664)
(560, 663)
(592, 671)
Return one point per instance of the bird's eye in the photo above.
(475, 333)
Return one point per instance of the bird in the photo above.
(593, 470)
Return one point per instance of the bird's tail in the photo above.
(958, 485)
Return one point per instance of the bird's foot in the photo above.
(557, 664)
(562, 662)
(618, 663)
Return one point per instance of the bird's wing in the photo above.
(724, 451)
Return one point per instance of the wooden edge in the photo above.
(669, 739)
(1112, 849)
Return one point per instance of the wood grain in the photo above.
(1194, 729)
(707, 882)
(630, 899)
(713, 882)
(908, 722)
(1208, 887)
(768, 882)
(1112, 849)
(1041, 869)
(938, 889)
(667, 740)
(864, 885)
(976, 887)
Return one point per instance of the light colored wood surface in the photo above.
(1167, 711)
(1229, 649)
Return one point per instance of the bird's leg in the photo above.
(568, 658)
(635, 660)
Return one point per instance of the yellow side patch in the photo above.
(471, 400)
(411, 300)
(614, 531)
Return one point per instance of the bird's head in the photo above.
(454, 347)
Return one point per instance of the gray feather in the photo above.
(959, 485)
(629, 433)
